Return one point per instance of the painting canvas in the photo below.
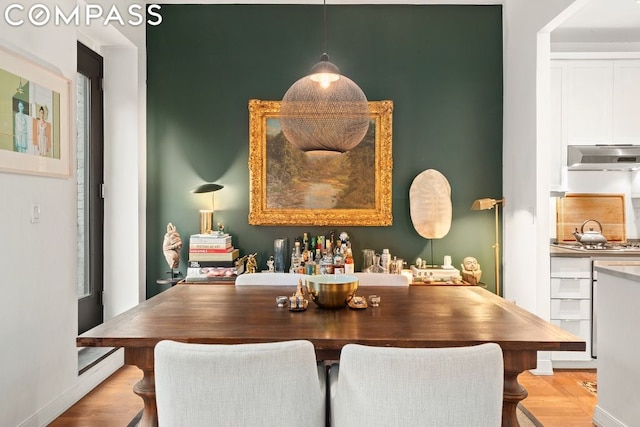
(34, 118)
(290, 187)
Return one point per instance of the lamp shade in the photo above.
(207, 187)
(483, 204)
(324, 112)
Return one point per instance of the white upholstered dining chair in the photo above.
(273, 279)
(266, 384)
(381, 279)
(445, 387)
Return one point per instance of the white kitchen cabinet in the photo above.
(558, 154)
(571, 302)
(593, 101)
(626, 93)
(589, 85)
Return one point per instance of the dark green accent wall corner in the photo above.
(441, 65)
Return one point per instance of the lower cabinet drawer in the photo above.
(570, 288)
(570, 308)
(579, 328)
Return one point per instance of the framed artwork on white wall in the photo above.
(34, 118)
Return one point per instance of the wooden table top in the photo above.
(415, 316)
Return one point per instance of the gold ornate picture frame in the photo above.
(289, 187)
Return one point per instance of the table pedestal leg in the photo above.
(515, 362)
(146, 387)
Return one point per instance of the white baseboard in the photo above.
(85, 383)
(544, 367)
(602, 418)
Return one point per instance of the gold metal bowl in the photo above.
(331, 290)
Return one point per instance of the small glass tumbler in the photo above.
(374, 300)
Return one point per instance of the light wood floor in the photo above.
(556, 401)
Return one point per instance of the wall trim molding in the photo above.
(86, 382)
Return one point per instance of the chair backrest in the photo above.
(445, 387)
(381, 279)
(273, 279)
(267, 384)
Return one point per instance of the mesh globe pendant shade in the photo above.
(324, 112)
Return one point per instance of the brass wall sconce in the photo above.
(485, 204)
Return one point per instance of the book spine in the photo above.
(210, 257)
(210, 264)
(229, 256)
(193, 250)
(227, 279)
(209, 240)
(210, 271)
(226, 245)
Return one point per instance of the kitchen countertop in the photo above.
(631, 272)
(556, 251)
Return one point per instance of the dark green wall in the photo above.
(440, 65)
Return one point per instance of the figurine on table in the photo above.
(271, 264)
(471, 271)
(171, 245)
(252, 265)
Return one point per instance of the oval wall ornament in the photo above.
(430, 204)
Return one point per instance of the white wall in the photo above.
(38, 308)
(525, 155)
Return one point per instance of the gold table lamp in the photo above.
(206, 215)
(484, 204)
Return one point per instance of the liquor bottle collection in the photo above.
(322, 254)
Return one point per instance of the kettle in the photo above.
(590, 237)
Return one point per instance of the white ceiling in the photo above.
(602, 21)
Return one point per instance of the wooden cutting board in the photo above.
(574, 209)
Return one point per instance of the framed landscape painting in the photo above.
(34, 118)
(290, 187)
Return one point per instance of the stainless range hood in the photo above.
(603, 157)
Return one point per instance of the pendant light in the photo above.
(324, 112)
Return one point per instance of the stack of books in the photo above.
(211, 257)
(212, 250)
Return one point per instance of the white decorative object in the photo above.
(430, 204)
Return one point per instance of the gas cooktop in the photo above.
(611, 246)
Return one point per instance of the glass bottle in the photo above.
(349, 264)
(338, 260)
(385, 260)
(326, 263)
(296, 257)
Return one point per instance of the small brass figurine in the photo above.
(252, 264)
(297, 302)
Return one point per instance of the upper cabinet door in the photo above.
(590, 102)
(626, 101)
(558, 135)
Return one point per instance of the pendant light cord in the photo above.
(324, 26)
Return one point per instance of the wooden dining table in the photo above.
(414, 316)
